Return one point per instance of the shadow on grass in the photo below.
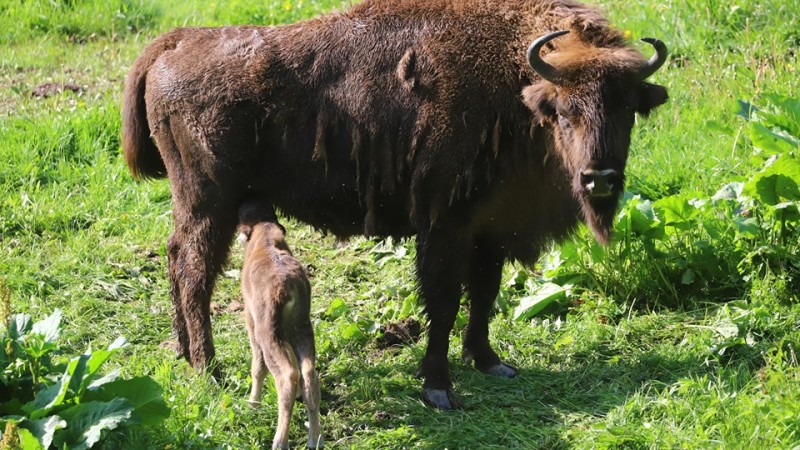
(539, 408)
(370, 399)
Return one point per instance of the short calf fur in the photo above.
(277, 306)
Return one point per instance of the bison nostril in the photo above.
(600, 183)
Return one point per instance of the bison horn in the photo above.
(544, 70)
(657, 60)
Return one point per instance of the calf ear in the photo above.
(651, 96)
(244, 233)
(540, 98)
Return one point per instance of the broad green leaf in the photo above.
(48, 398)
(786, 113)
(731, 191)
(352, 331)
(20, 326)
(639, 217)
(788, 210)
(777, 183)
(49, 327)
(87, 421)
(746, 225)
(745, 109)
(93, 363)
(97, 358)
(107, 378)
(11, 407)
(27, 441)
(410, 305)
(337, 308)
(676, 211)
(546, 294)
(143, 393)
(772, 140)
(44, 429)
(77, 370)
(36, 346)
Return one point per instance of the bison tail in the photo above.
(141, 154)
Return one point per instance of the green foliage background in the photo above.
(669, 338)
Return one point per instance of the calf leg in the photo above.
(483, 283)
(282, 364)
(258, 368)
(310, 386)
(286, 380)
(440, 271)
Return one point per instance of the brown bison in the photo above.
(395, 118)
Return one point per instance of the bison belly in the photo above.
(338, 188)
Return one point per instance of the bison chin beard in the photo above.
(599, 216)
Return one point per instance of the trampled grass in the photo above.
(77, 233)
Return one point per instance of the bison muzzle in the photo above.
(409, 117)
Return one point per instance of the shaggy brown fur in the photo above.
(276, 308)
(391, 119)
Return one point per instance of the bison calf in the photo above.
(277, 305)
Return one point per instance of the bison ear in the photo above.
(541, 99)
(651, 96)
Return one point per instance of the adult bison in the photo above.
(394, 118)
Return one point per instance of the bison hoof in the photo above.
(502, 370)
(443, 399)
(499, 369)
(173, 346)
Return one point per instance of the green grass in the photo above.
(77, 233)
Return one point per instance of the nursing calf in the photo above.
(277, 305)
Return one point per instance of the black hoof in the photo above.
(502, 370)
(443, 399)
(498, 369)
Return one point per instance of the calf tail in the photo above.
(141, 153)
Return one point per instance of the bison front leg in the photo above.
(483, 283)
(440, 269)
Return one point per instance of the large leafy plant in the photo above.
(45, 403)
(688, 243)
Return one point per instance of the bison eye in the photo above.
(563, 121)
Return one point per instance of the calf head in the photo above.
(587, 97)
(258, 223)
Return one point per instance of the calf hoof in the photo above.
(502, 370)
(443, 399)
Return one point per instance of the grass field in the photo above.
(640, 364)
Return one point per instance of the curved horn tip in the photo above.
(657, 43)
(657, 60)
(546, 71)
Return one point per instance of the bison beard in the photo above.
(411, 117)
